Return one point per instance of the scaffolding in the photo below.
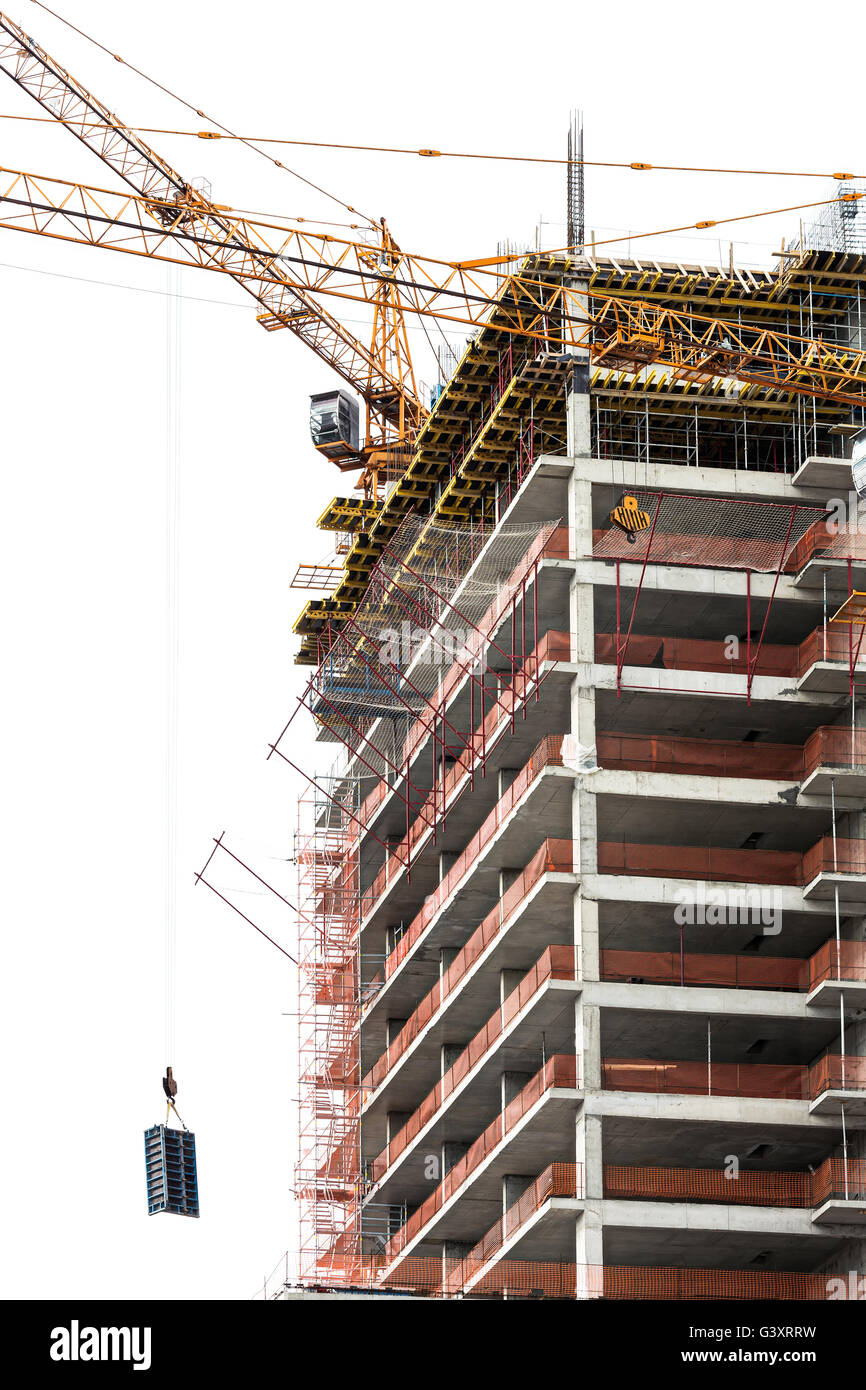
(450, 621)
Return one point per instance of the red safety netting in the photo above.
(697, 756)
(835, 1072)
(701, 862)
(845, 962)
(744, 1187)
(700, 654)
(715, 532)
(728, 972)
(759, 866)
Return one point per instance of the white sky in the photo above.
(84, 516)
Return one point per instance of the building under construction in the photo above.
(582, 897)
(583, 881)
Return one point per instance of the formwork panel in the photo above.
(170, 1166)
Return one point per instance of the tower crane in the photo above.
(380, 371)
(295, 274)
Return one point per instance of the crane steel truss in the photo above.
(290, 276)
(169, 205)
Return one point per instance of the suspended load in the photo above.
(170, 1164)
(335, 426)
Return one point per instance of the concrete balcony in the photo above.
(536, 910)
(536, 1126)
(817, 872)
(835, 865)
(472, 1089)
(835, 755)
(519, 709)
(540, 1224)
(829, 972)
(830, 754)
(507, 840)
(836, 1081)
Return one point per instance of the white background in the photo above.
(84, 395)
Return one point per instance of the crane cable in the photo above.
(173, 455)
(636, 165)
(225, 132)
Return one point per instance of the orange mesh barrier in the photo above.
(557, 1071)
(703, 757)
(848, 962)
(732, 972)
(557, 963)
(771, 1080)
(557, 856)
(832, 1179)
(536, 1279)
(838, 1178)
(708, 1185)
(487, 625)
(646, 1282)
(834, 1072)
(430, 1276)
(559, 545)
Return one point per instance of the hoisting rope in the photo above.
(171, 1106)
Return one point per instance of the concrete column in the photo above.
(453, 1253)
(507, 877)
(588, 1155)
(508, 981)
(512, 1083)
(505, 777)
(586, 943)
(513, 1187)
(580, 512)
(447, 955)
(589, 1229)
(392, 1028)
(446, 859)
(452, 1152)
(577, 418)
(394, 1122)
(448, 1054)
(587, 1044)
(584, 820)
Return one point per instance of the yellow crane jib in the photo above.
(628, 517)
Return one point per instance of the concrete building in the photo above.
(585, 900)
